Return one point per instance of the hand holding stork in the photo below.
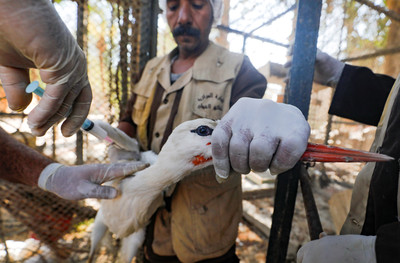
(259, 134)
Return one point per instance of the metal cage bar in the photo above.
(298, 93)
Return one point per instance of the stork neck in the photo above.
(161, 175)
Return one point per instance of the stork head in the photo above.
(189, 145)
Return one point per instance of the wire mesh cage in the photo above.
(46, 217)
(38, 225)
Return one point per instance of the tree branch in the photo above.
(389, 13)
(377, 53)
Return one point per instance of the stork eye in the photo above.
(203, 130)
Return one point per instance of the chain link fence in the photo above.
(118, 37)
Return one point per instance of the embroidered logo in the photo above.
(210, 101)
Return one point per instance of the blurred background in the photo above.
(119, 37)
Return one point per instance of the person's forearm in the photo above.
(18, 162)
(128, 128)
(248, 83)
(361, 95)
(125, 122)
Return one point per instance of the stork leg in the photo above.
(98, 232)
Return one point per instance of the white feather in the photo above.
(131, 244)
(141, 194)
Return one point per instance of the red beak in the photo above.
(324, 153)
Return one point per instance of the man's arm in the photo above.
(248, 83)
(361, 95)
(21, 164)
(18, 162)
(126, 123)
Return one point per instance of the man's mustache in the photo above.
(185, 31)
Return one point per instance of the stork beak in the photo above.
(324, 153)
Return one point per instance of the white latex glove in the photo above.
(257, 134)
(124, 147)
(343, 249)
(84, 181)
(32, 35)
(327, 70)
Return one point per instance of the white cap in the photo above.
(217, 6)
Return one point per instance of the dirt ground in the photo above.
(328, 182)
(251, 245)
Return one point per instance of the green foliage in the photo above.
(82, 226)
(366, 28)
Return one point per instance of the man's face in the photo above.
(190, 22)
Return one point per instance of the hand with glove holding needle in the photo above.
(32, 35)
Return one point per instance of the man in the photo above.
(32, 35)
(371, 232)
(199, 221)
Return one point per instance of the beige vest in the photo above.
(205, 215)
(356, 216)
(206, 91)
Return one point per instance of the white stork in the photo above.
(188, 148)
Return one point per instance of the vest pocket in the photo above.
(211, 100)
(217, 222)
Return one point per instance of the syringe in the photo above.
(87, 125)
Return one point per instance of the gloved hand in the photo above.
(343, 249)
(124, 147)
(84, 181)
(32, 35)
(327, 70)
(257, 134)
